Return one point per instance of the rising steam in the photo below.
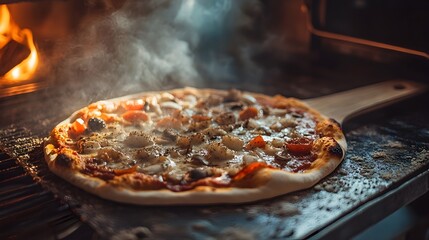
(135, 48)
(153, 45)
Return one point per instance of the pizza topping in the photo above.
(148, 153)
(137, 104)
(169, 122)
(138, 139)
(281, 158)
(96, 124)
(88, 146)
(170, 134)
(196, 138)
(216, 151)
(225, 118)
(277, 127)
(212, 133)
(298, 165)
(278, 111)
(125, 171)
(232, 142)
(257, 142)
(134, 116)
(248, 99)
(249, 112)
(278, 143)
(233, 106)
(181, 141)
(199, 160)
(247, 159)
(77, 127)
(171, 105)
(262, 130)
(200, 118)
(108, 155)
(288, 121)
(153, 169)
(165, 97)
(213, 100)
(197, 173)
(270, 150)
(234, 95)
(198, 125)
(98, 171)
(299, 147)
(251, 168)
(253, 123)
(105, 106)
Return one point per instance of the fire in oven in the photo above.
(217, 119)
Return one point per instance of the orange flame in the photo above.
(9, 30)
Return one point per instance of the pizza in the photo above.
(195, 146)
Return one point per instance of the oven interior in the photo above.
(67, 54)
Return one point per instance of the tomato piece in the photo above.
(169, 122)
(256, 142)
(247, 113)
(136, 104)
(247, 171)
(135, 116)
(77, 127)
(299, 147)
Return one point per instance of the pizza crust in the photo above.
(270, 182)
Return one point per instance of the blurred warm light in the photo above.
(10, 31)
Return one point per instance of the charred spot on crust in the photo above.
(63, 160)
(335, 122)
(336, 150)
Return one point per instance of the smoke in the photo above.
(221, 37)
(161, 44)
(135, 48)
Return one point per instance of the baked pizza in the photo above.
(195, 146)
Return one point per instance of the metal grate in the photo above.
(27, 210)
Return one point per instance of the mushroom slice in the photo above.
(138, 139)
(217, 151)
(171, 105)
(232, 142)
(225, 118)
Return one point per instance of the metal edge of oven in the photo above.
(315, 17)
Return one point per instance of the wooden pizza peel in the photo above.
(345, 105)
